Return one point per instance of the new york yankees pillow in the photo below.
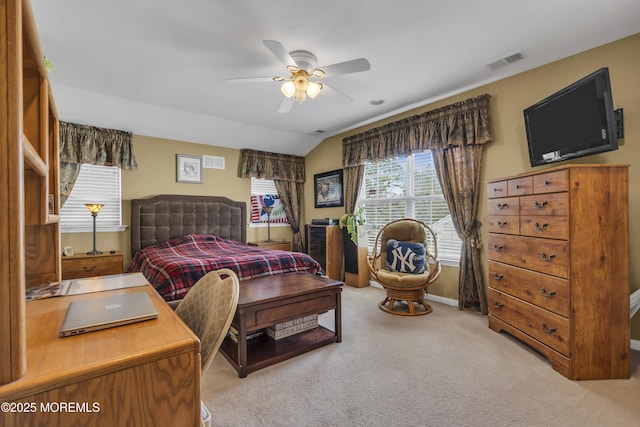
(406, 257)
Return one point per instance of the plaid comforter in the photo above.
(176, 265)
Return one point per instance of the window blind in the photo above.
(95, 184)
(408, 187)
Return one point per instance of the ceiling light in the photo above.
(288, 88)
(299, 87)
(313, 89)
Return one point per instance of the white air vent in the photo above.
(213, 162)
(509, 59)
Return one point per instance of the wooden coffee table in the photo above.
(266, 301)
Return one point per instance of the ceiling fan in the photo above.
(302, 67)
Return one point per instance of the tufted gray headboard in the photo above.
(164, 217)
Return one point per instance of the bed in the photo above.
(175, 240)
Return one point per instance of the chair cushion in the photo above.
(406, 257)
(402, 280)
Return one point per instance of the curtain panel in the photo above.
(455, 134)
(288, 174)
(272, 166)
(96, 146)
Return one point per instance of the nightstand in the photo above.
(82, 265)
(276, 244)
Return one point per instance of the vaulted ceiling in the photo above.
(159, 68)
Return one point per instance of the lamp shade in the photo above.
(288, 88)
(313, 89)
(94, 208)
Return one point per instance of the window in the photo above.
(263, 192)
(95, 184)
(408, 187)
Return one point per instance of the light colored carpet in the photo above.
(444, 369)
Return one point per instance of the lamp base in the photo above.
(94, 252)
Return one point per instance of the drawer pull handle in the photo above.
(93, 267)
(547, 295)
(546, 183)
(546, 258)
(502, 205)
(496, 189)
(502, 224)
(497, 276)
(497, 305)
(548, 330)
(539, 205)
(517, 186)
(497, 248)
(540, 227)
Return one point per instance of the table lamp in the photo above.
(268, 210)
(94, 208)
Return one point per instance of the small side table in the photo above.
(83, 265)
(276, 244)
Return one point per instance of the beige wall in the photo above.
(507, 154)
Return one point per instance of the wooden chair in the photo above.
(208, 309)
(399, 253)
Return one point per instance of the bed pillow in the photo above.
(406, 257)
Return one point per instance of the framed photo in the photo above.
(188, 168)
(328, 186)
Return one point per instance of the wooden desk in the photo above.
(144, 374)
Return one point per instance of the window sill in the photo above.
(90, 230)
(264, 225)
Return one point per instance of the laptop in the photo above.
(95, 314)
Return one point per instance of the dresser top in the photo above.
(559, 168)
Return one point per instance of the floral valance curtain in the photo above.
(463, 123)
(273, 166)
(96, 146)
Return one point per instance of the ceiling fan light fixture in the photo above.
(300, 96)
(288, 88)
(318, 73)
(313, 89)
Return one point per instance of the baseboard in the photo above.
(442, 300)
(635, 344)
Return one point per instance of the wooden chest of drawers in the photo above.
(82, 265)
(558, 254)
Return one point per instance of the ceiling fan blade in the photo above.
(250, 80)
(353, 66)
(280, 52)
(285, 105)
(336, 95)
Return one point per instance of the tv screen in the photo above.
(576, 121)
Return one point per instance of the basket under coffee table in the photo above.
(267, 301)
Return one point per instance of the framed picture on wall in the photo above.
(188, 168)
(328, 189)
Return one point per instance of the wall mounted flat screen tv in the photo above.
(576, 121)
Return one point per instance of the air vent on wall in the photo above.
(213, 162)
(509, 59)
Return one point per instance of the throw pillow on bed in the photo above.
(406, 257)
